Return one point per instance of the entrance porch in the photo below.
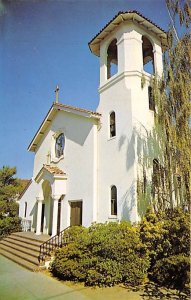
(52, 181)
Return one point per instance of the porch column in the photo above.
(39, 215)
(55, 214)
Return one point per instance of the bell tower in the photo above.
(130, 50)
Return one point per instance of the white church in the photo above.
(86, 162)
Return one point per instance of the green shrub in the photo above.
(134, 270)
(166, 234)
(105, 273)
(172, 271)
(166, 237)
(107, 254)
(103, 255)
(9, 225)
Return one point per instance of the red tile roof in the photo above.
(53, 170)
(76, 108)
(99, 37)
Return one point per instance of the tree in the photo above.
(171, 179)
(10, 187)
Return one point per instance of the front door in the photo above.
(76, 213)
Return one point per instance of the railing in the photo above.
(54, 242)
(26, 225)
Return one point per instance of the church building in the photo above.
(86, 162)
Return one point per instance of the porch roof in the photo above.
(53, 170)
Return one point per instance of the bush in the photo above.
(166, 237)
(172, 271)
(103, 255)
(107, 254)
(166, 234)
(9, 225)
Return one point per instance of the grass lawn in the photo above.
(149, 291)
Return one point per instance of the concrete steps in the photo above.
(23, 248)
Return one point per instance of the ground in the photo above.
(17, 283)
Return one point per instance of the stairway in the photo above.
(23, 248)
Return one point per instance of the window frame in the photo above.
(113, 201)
(59, 152)
(151, 99)
(112, 132)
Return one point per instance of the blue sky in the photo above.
(45, 43)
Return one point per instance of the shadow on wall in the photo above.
(130, 152)
(127, 203)
(78, 130)
(144, 146)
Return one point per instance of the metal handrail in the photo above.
(57, 241)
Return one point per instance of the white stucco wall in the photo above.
(116, 154)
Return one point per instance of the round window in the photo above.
(59, 146)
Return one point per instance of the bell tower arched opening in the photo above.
(148, 56)
(112, 59)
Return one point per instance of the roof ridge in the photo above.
(76, 108)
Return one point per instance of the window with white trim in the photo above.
(59, 145)
(112, 124)
(113, 200)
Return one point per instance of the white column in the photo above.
(39, 215)
(158, 62)
(130, 56)
(103, 65)
(55, 214)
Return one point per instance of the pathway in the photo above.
(17, 283)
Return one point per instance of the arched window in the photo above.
(151, 99)
(113, 200)
(112, 124)
(112, 60)
(59, 145)
(25, 210)
(148, 57)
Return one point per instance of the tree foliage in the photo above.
(10, 187)
(166, 237)
(9, 184)
(170, 185)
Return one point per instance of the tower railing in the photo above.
(57, 241)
